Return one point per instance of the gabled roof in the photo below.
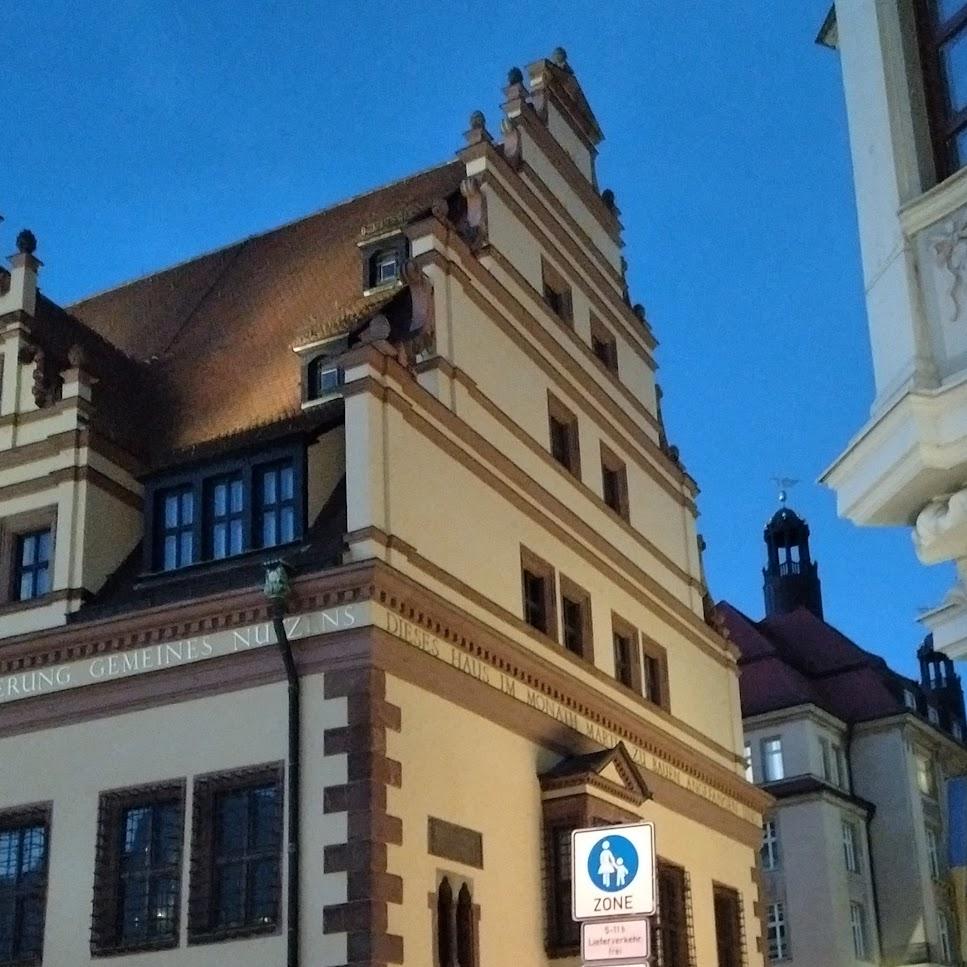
(212, 337)
(612, 770)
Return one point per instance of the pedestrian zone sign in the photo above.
(613, 871)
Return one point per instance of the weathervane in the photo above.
(784, 484)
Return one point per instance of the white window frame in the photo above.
(857, 923)
(775, 756)
(748, 763)
(851, 854)
(909, 699)
(769, 850)
(387, 258)
(933, 854)
(842, 772)
(777, 932)
(827, 760)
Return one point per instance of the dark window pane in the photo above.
(953, 60)
(263, 890)
(230, 895)
(572, 615)
(263, 806)
(23, 892)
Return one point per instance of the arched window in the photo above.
(444, 924)
(466, 954)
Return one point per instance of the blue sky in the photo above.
(146, 131)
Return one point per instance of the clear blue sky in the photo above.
(137, 133)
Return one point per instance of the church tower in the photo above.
(790, 577)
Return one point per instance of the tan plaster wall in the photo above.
(486, 556)
(460, 767)
(325, 467)
(72, 765)
(570, 142)
(546, 171)
(110, 530)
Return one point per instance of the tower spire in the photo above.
(790, 577)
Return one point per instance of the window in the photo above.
(323, 376)
(603, 345)
(576, 619)
(957, 729)
(943, 931)
(748, 763)
(926, 779)
(212, 516)
(387, 267)
(614, 483)
(728, 927)
(563, 432)
(537, 585)
(277, 507)
(225, 509)
(627, 668)
(857, 922)
(137, 876)
(670, 927)
(23, 885)
(455, 927)
(769, 850)
(943, 45)
(909, 699)
(933, 853)
(32, 565)
(933, 716)
(557, 293)
(842, 777)
(777, 931)
(236, 854)
(564, 931)
(655, 672)
(827, 758)
(772, 767)
(850, 847)
(176, 533)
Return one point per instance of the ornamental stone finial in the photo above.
(27, 242)
(515, 76)
(559, 56)
(477, 121)
(607, 196)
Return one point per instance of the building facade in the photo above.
(905, 81)
(436, 406)
(861, 761)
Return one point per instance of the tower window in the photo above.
(603, 345)
(614, 482)
(627, 667)
(557, 293)
(576, 619)
(563, 433)
(538, 593)
(654, 672)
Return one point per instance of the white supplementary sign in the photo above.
(614, 941)
(613, 871)
(47, 679)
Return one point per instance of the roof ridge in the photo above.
(258, 235)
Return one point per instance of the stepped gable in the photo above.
(213, 336)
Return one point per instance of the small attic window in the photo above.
(387, 268)
(382, 260)
(324, 377)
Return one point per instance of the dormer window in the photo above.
(324, 377)
(209, 516)
(383, 260)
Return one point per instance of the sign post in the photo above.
(613, 892)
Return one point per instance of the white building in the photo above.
(905, 79)
(854, 856)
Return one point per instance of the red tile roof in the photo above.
(212, 338)
(798, 659)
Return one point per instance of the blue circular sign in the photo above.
(613, 863)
